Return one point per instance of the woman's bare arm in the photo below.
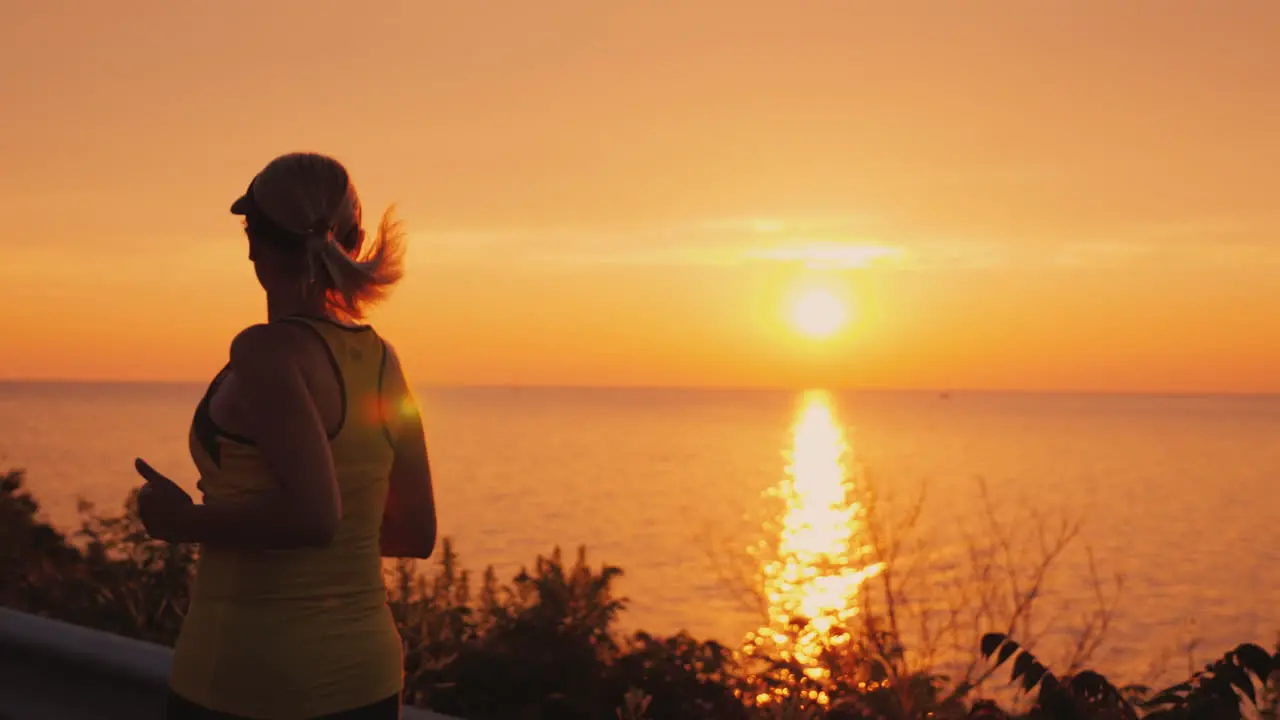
(409, 522)
(287, 429)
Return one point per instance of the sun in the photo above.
(818, 313)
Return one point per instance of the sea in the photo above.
(731, 511)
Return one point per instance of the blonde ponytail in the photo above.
(354, 280)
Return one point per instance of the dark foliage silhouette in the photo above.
(546, 644)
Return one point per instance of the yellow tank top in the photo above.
(297, 633)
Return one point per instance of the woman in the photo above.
(313, 466)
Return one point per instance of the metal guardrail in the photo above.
(53, 670)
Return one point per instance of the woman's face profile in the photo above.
(268, 262)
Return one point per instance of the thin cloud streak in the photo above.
(847, 244)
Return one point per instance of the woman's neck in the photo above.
(282, 306)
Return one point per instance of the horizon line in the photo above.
(954, 390)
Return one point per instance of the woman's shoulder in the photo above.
(392, 358)
(392, 368)
(267, 344)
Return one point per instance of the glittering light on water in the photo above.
(817, 566)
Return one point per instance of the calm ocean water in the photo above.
(1176, 494)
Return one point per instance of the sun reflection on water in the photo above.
(816, 564)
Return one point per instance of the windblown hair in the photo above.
(363, 275)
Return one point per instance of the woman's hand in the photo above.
(162, 505)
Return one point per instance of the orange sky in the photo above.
(1066, 194)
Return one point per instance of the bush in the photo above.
(546, 644)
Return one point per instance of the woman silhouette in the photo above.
(313, 466)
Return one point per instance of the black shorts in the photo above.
(181, 708)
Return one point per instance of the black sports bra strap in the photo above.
(308, 323)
